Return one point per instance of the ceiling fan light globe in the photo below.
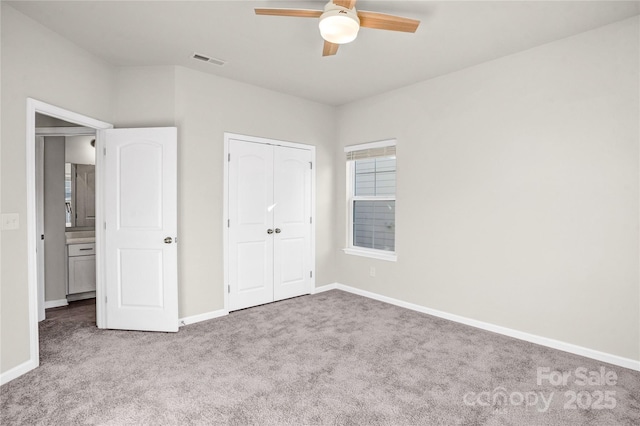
(339, 28)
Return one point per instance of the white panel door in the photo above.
(292, 222)
(141, 226)
(250, 224)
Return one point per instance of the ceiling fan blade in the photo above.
(297, 13)
(382, 21)
(330, 49)
(349, 4)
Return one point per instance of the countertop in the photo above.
(81, 240)
(80, 237)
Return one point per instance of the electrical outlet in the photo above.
(10, 221)
(372, 271)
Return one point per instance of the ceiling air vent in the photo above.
(204, 58)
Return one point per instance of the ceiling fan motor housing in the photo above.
(338, 24)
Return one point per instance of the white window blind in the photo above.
(363, 154)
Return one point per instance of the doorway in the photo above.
(269, 229)
(65, 208)
(36, 302)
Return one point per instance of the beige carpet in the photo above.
(331, 358)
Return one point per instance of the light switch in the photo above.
(10, 221)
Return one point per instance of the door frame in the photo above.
(35, 106)
(225, 203)
(39, 174)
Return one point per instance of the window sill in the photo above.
(374, 254)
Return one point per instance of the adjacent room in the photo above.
(301, 212)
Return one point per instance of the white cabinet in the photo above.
(82, 268)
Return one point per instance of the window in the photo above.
(371, 174)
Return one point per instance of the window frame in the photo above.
(352, 198)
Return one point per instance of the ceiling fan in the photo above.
(340, 22)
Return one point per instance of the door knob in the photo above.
(269, 231)
(278, 230)
(168, 240)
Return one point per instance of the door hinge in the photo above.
(104, 151)
(228, 288)
(311, 220)
(228, 223)
(229, 157)
(310, 274)
(105, 299)
(105, 226)
(310, 165)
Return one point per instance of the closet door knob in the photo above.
(269, 231)
(278, 230)
(168, 240)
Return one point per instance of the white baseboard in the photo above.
(81, 296)
(17, 371)
(202, 317)
(325, 288)
(544, 341)
(48, 304)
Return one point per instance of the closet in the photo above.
(269, 221)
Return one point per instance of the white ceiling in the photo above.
(284, 54)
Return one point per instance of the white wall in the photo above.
(206, 107)
(38, 63)
(78, 150)
(145, 97)
(517, 193)
(46, 121)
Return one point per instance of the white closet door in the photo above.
(141, 226)
(251, 216)
(292, 217)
